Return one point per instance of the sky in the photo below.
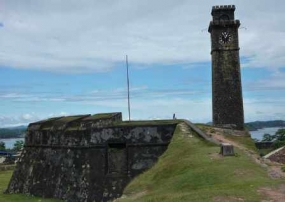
(67, 57)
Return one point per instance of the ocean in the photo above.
(258, 134)
(9, 143)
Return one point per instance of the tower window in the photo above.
(224, 17)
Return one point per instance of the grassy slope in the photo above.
(191, 170)
(4, 180)
(246, 141)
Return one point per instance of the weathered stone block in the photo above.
(227, 149)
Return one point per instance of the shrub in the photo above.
(212, 130)
(278, 144)
(261, 154)
(2, 146)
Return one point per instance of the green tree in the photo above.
(18, 145)
(280, 135)
(267, 137)
(279, 138)
(2, 146)
(256, 140)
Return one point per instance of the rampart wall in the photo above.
(85, 161)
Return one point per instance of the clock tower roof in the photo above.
(223, 12)
(223, 16)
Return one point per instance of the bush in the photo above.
(2, 146)
(267, 138)
(278, 139)
(261, 154)
(18, 145)
(278, 144)
(280, 135)
(283, 168)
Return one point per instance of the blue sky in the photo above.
(65, 57)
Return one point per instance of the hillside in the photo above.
(251, 126)
(192, 170)
(13, 132)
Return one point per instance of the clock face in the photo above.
(225, 38)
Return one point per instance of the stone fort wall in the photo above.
(83, 158)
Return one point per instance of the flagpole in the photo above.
(128, 83)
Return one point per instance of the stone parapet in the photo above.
(87, 158)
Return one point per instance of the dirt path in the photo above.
(273, 169)
(274, 195)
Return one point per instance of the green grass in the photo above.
(4, 180)
(147, 122)
(246, 141)
(4, 167)
(71, 118)
(102, 115)
(263, 152)
(192, 170)
(138, 123)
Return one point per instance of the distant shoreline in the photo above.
(14, 132)
(258, 134)
(256, 129)
(9, 142)
(257, 125)
(7, 138)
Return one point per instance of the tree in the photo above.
(267, 137)
(280, 135)
(279, 138)
(18, 145)
(2, 146)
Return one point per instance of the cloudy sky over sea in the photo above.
(64, 57)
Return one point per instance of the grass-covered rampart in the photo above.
(192, 170)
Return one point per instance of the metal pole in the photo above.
(128, 82)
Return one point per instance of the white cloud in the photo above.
(264, 111)
(197, 110)
(12, 95)
(102, 95)
(83, 36)
(156, 108)
(26, 116)
(275, 82)
(58, 114)
(17, 120)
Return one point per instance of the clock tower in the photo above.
(226, 78)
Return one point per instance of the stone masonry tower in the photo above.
(226, 78)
